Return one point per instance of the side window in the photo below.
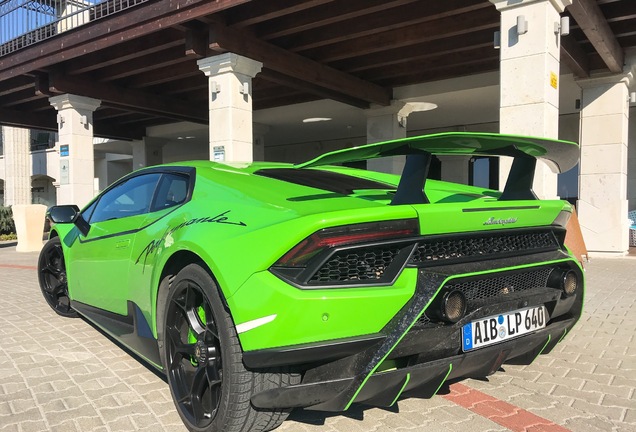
(172, 190)
(88, 211)
(130, 198)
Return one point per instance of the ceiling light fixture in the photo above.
(422, 106)
(316, 119)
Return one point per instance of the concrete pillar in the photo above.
(260, 130)
(17, 157)
(455, 168)
(230, 103)
(77, 160)
(602, 204)
(147, 152)
(384, 124)
(529, 99)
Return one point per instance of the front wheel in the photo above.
(52, 278)
(210, 386)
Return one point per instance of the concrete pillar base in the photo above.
(29, 226)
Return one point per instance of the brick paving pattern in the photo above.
(60, 374)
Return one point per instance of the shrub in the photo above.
(6, 221)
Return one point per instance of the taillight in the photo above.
(346, 235)
(361, 254)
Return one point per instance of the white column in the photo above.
(230, 103)
(77, 160)
(260, 130)
(602, 204)
(529, 99)
(17, 157)
(147, 152)
(384, 124)
(455, 168)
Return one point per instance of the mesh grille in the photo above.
(356, 265)
(477, 291)
(431, 251)
(489, 287)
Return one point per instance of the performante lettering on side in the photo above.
(493, 221)
(154, 244)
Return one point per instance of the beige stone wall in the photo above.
(631, 162)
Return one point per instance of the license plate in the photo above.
(498, 328)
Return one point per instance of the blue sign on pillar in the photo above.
(64, 150)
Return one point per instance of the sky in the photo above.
(18, 17)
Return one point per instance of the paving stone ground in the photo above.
(63, 375)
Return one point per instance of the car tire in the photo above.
(52, 278)
(202, 358)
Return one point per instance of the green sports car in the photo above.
(264, 287)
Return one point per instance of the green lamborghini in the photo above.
(265, 287)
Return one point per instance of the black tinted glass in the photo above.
(325, 180)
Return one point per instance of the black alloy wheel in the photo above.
(203, 359)
(52, 278)
(193, 354)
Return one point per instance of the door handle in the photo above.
(122, 244)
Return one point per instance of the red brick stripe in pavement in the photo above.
(500, 412)
(15, 266)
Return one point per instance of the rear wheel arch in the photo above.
(202, 359)
(175, 263)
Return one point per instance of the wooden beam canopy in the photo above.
(589, 17)
(573, 56)
(134, 100)
(300, 68)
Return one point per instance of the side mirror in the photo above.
(63, 213)
(68, 214)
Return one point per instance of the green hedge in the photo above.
(6, 221)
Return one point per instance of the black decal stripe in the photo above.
(133, 231)
(493, 209)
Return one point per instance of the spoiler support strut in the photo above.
(519, 183)
(410, 190)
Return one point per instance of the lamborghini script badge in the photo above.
(493, 221)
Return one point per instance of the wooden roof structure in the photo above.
(142, 62)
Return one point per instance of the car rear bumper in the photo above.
(336, 393)
(414, 353)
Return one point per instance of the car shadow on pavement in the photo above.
(318, 418)
(356, 412)
(133, 354)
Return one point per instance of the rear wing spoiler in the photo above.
(560, 156)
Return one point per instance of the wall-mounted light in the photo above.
(632, 97)
(562, 26)
(245, 88)
(215, 88)
(497, 40)
(60, 121)
(522, 25)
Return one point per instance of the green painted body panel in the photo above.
(239, 224)
(316, 315)
(99, 284)
(559, 155)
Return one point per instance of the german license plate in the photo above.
(498, 328)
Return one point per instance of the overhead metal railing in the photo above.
(26, 22)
